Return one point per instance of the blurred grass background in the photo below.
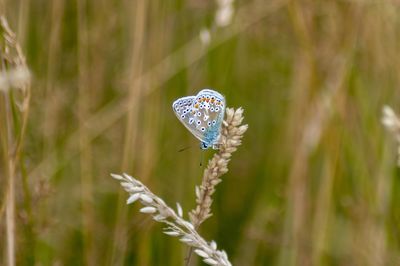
(314, 183)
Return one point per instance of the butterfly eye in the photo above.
(198, 114)
(204, 145)
(209, 123)
(198, 122)
(182, 116)
(191, 120)
(212, 109)
(214, 122)
(216, 109)
(203, 129)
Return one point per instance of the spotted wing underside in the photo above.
(201, 114)
(182, 108)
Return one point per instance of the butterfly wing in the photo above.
(183, 108)
(210, 108)
(202, 115)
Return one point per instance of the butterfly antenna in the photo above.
(201, 158)
(184, 149)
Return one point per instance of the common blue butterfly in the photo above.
(202, 115)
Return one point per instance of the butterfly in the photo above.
(202, 115)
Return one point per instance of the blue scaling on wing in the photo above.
(202, 115)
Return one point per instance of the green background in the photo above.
(315, 181)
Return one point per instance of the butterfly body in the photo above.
(202, 115)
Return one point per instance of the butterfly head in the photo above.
(204, 146)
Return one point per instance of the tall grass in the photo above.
(315, 182)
